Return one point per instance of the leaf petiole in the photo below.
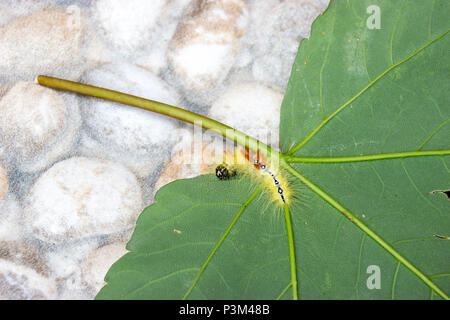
(162, 108)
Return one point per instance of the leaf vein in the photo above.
(363, 90)
(394, 280)
(323, 67)
(394, 27)
(417, 189)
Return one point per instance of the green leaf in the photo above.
(374, 92)
(175, 236)
(355, 94)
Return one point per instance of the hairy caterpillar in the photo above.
(275, 180)
(276, 186)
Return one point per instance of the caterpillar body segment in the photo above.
(275, 181)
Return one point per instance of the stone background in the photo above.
(75, 172)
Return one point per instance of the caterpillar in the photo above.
(275, 181)
(276, 185)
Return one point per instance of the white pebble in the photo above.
(252, 108)
(64, 260)
(24, 252)
(140, 31)
(18, 282)
(81, 197)
(3, 182)
(6, 15)
(3, 89)
(38, 125)
(138, 138)
(65, 265)
(140, 165)
(45, 42)
(95, 266)
(11, 227)
(206, 44)
(276, 36)
(127, 25)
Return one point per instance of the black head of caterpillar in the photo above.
(223, 172)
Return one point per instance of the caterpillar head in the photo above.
(223, 172)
